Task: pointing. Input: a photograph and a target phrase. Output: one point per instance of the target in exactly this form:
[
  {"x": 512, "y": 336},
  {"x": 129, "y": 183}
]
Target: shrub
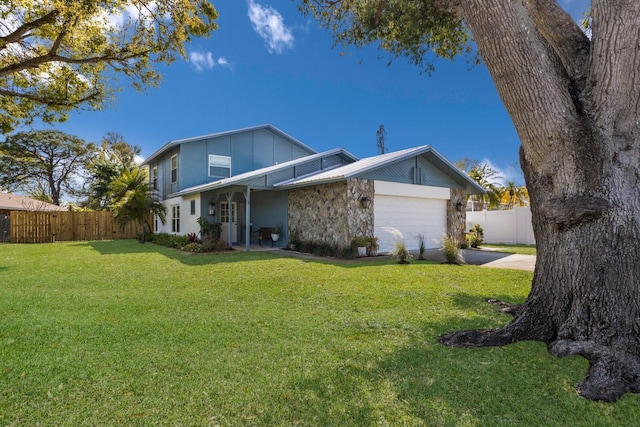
[
  {"x": 372, "y": 246},
  {"x": 210, "y": 229},
  {"x": 476, "y": 236},
  {"x": 293, "y": 237},
  {"x": 327, "y": 249},
  {"x": 214, "y": 245},
  {"x": 360, "y": 241},
  {"x": 400, "y": 252},
  {"x": 170, "y": 240},
  {"x": 192, "y": 247},
  {"x": 450, "y": 246},
  {"x": 422, "y": 245},
  {"x": 369, "y": 242}
]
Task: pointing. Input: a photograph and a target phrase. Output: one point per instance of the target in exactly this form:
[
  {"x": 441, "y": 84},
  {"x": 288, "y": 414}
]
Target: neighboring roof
[
  {"x": 249, "y": 178},
  {"x": 14, "y": 202},
  {"x": 177, "y": 142},
  {"x": 368, "y": 164}
]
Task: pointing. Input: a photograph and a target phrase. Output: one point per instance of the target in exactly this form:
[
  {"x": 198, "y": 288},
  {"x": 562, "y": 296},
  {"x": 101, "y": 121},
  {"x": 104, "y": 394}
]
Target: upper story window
[
  {"x": 174, "y": 168},
  {"x": 219, "y": 166}
]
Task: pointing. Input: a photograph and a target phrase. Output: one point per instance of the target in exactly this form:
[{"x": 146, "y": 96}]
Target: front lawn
[{"x": 118, "y": 333}]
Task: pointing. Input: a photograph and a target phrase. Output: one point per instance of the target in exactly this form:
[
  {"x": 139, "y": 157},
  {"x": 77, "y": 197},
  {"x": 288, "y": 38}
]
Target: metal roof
[
  {"x": 248, "y": 178},
  {"x": 176, "y": 142},
  {"x": 368, "y": 164}
]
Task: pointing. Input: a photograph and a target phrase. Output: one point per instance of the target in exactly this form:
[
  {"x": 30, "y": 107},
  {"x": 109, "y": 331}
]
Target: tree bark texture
[{"x": 575, "y": 103}]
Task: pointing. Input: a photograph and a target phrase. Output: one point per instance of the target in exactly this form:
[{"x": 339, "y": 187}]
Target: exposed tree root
[
  {"x": 612, "y": 372},
  {"x": 505, "y": 307},
  {"x": 480, "y": 338}
]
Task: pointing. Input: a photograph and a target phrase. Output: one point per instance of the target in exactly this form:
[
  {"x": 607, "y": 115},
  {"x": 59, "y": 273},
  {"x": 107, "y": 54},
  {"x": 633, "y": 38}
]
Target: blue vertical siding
[
  {"x": 282, "y": 150},
  {"x": 263, "y": 149},
  {"x": 164, "y": 173},
  {"x": 249, "y": 150},
  {"x": 194, "y": 161},
  {"x": 241, "y": 153},
  {"x": 220, "y": 146}
]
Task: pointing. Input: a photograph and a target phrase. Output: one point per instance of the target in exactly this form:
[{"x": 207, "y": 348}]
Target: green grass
[
  {"x": 118, "y": 333},
  {"x": 514, "y": 249}
]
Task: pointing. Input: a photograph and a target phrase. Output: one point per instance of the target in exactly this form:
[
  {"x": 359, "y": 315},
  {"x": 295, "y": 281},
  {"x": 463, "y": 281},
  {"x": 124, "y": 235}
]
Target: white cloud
[
  {"x": 505, "y": 174},
  {"x": 202, "y": 60},
  {"x": 205, "y": 61},
  {"x": 132, "y": 14},
  {"x": 269, "y": 25}
]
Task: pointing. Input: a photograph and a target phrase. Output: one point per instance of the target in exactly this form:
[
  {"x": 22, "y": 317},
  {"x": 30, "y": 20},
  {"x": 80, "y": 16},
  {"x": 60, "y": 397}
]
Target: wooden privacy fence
[{"x": 46, "y": 227}]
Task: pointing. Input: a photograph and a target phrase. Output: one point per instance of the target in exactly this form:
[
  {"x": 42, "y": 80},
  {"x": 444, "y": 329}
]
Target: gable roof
[
  {"x": 14, "y": 202},
  {"x": 258, "y": 176},
  {"x": 371, "y": 163},
  {"x": 176, "y": 142}
]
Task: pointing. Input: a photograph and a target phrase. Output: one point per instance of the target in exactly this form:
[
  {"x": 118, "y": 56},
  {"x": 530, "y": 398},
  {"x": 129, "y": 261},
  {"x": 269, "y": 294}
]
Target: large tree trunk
[{"x": 575, "y": 104}]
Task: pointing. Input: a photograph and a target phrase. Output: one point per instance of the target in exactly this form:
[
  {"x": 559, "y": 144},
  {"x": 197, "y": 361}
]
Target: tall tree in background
[
  {"x": 59, "y": 55},
  {"x": 381, "y": 135},
  {"x": 514, "y": 195},
  {"x": 488, "y": 179},
  {"x": 112, "y": 158},
  {"x": 575, "y": 103},
  {"x": 43, "y": 163}
]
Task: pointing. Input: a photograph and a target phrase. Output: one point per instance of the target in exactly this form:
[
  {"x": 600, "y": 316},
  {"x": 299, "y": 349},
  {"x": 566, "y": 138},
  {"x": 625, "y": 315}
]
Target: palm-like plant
[
  {"x": 513, "y": 194},
  {"x": 487, "y": 178},
  {"x": 132, "y": 201}
]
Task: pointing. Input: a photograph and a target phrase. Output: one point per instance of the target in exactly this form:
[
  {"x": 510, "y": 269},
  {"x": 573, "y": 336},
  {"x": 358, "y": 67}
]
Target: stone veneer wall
[
  {"x": 331, "y": 213},
  {"x": 456, "y": 220},
  {"x": 361, "y": 221}
]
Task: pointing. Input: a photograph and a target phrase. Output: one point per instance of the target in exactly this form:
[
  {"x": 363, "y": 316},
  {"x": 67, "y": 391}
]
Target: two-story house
[{"x": 260, "y": 177}]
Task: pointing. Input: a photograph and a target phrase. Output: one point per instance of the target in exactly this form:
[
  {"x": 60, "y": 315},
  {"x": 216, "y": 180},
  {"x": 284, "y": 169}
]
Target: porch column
[
  {"x": 247, "y": 225},
  {"x": 230, "y": 205}
]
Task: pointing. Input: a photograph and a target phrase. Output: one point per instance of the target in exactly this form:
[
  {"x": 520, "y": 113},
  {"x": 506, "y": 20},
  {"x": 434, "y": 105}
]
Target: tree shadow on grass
[
  {"x": 133, "y": 247},
  {"x": 119, "y": 247},
  {"x": 423, "y": 382},
  {"x": 426, "y": 383}
]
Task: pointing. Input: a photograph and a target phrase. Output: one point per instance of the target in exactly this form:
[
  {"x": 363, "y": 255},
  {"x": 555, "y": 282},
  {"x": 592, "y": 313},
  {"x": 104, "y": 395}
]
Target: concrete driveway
[{"x": 492, "y": 259}]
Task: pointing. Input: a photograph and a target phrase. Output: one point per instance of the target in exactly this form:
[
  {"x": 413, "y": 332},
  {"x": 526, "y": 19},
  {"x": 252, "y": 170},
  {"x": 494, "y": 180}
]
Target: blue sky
[{"x": 267, "y": 63}]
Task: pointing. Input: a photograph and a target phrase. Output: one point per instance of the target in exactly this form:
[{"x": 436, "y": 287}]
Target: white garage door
[{"x": 404, "y": 218}]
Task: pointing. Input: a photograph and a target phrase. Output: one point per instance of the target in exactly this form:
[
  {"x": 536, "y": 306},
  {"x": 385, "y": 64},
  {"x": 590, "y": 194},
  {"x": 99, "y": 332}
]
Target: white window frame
[
  {"x": 174, "y": 167},
  {"x": 219, "y": 162},
  {"x": 175, "y": 218}
]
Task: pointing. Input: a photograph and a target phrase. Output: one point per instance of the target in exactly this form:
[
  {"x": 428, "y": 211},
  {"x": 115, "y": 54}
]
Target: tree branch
[
  {"x": 49, "y": 101},
  {"x": 563, "y": 34},
  {"x": 50, "y": 57},
  {"x": 528, "y": 73},
  {"x": 28, "y": 26}
]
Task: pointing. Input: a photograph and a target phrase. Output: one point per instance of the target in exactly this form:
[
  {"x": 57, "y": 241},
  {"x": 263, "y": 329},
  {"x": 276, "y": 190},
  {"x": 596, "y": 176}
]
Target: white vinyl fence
[{"x": 509, "y": 226}]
